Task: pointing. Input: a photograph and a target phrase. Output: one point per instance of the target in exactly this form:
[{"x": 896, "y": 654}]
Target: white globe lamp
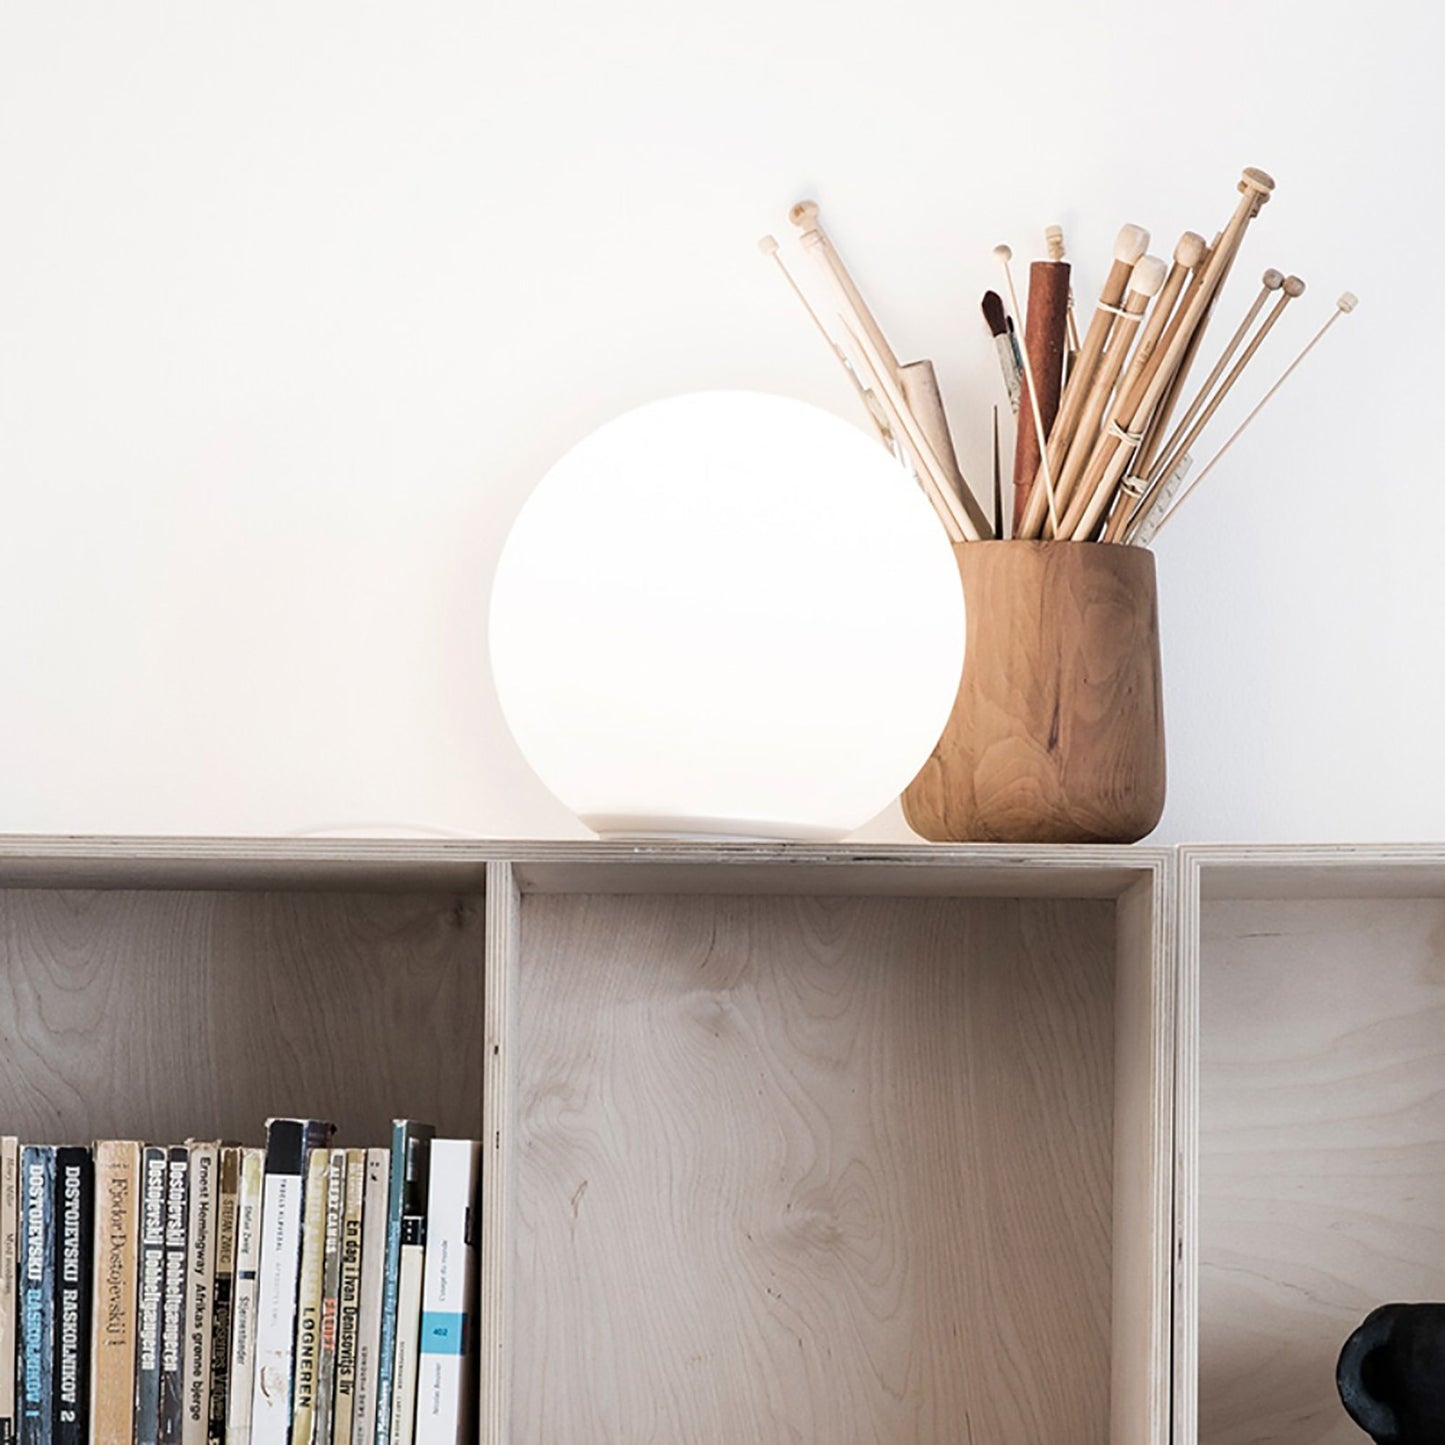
[{"x": 727, "y": 615}]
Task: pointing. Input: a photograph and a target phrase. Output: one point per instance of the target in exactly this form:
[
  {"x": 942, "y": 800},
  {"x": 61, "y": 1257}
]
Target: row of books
[{"x": 210, "y": 1293}]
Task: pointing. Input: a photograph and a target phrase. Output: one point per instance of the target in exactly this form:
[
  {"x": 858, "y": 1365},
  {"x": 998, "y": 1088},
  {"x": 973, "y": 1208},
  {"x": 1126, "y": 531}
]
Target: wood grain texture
[
  {"x": 986, "y": 870},
  {"x": 159, "y": 1014},
  {"x": 808, "y": 1170},
  {"x": 425, "y": 866},
  {"x": 1316, "y": 870},
  {"x": 495, "y": 1293},
  {"x": 1144, "y": 1003},
  {"x": 367, "y": 865},
  {"x": 1057, "y": 734},
  {"x": 1045, "y": 334},
  {"x": 1220, "y": 873},
  {"x": 1187, "y": 900},
  {"x": 1321, "y": 1148}
]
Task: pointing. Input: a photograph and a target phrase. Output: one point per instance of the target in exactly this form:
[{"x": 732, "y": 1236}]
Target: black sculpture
[{"x": 1391, "y": 1375}]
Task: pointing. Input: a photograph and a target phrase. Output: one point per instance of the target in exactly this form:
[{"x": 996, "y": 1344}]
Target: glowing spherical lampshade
[{"x": 727, "y": 614}]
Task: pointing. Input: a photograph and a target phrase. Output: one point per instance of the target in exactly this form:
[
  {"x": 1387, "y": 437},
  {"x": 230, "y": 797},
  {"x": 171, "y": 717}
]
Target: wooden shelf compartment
[
  {"x": 840, "y": 1144},
  {"x": 159, "y": 989},
  {"x": 1311, "y": 1126}
]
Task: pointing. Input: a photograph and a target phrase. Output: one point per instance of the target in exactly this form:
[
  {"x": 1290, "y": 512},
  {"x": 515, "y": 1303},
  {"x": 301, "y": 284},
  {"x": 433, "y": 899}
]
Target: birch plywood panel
[
  {"x": 813, "y": 1170},
  {"x": 1322, "y": 1149},
  {"x": 163, "y": 1014}
]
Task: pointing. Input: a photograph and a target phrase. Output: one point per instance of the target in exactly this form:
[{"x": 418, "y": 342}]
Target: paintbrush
[{"x": 997, "y": 319}]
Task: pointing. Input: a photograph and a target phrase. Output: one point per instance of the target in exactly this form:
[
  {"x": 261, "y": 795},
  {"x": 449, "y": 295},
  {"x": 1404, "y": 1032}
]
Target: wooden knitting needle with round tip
[
  {"x": 1124, "y": 518},
  {"x": 1129, "y": 246},
  {"x": 1292, "y": 288},
  {"x": 769, "y": 247},
  {"x": 1147, "y": 281},
  {"x": 1343, "y": 306},
  {"x": 1104, "y": 472},
  {"x": 1189, "y": 253},
  {"x": 1144, "y": 285},
  {"x": 1149, "y": 448},
  {"x": 804, "y": 215},
  {"x": 1159, "y": 419},
  {"x": 1270, "y": 282},
  {"x": 1004, "y": 254}
]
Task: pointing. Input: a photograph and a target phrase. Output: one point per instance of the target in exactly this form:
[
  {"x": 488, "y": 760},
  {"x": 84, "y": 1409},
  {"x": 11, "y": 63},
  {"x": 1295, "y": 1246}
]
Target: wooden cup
[{"x": 1057, "y": 734}]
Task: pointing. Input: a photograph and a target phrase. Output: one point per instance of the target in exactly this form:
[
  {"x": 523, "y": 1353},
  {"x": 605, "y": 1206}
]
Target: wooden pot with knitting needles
[{"x": 1057, "y": 735}]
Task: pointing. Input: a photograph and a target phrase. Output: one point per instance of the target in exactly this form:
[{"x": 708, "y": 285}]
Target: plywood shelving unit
[
  {"x": 783, "y": 1143},
  {"x": 924, "y": 1145},
  {"x": 1311, "y": 1124}
]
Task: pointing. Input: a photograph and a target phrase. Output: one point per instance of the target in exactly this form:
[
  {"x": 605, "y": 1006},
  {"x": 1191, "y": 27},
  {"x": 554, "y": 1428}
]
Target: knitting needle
[
  {"x": 928, "y": 483},
  {"x": 1144, "y": 285},
  {"x": 998, "y": 530},
  {"x": 1147, "y": 453},
  {"x": 1343, "y": 306},
  {"x": 1270, "y": 282},
  {"x": 1102, "y": 479},
  {"x": 1152, "y": 494},
  {"x": 1292, "y": 288},
  {"x": 1129, "y": 246},
  {"x": 925, "y": 430},
  {"x": 1154, "y": 432},
  {"x": 1188, "y": 253},
  {"x": 961, "y": 515},
  {"x": 769, "y": 247},
  {"x": 1004, "y": 255},
  {"x": 804, "y": 215}
]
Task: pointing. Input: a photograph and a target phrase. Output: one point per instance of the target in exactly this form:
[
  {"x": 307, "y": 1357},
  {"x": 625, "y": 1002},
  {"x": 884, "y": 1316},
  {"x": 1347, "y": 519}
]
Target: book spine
[
  {"x": 409, "y": 1287},
  {"x": 408, "y": 1322},
  {"x": 74, "y": 1241},
  {"x": 152, "y": 1289},
  {"x": 308, "y": 1299},
  {"x": 403, "y": 1131},
  {"x": 117, "y": 1282},
  {"x": 37, "y": 1292},
  {"x": 204, "y": 1165},
  {"x": 289, "y": 1143},
  {"x": 348, "y": 1305},
  {"x": 374, "y": 1216},
  {"x": 228, "y": 1181},
  {"x": 243, "y": 1311},
  {"x": 9, "y": 1255},
  {"x": 445, "y": 1404},
  {"x": 171, "y": 1405},
  {"x": 330, "y": 1296}
]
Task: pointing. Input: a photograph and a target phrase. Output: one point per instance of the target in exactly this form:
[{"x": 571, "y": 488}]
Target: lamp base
[{"x": 623, "y": 827}]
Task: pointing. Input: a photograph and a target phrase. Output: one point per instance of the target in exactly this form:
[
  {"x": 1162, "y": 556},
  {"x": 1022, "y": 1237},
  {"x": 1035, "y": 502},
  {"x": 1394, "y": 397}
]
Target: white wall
[{"x": 297, "y": 300}]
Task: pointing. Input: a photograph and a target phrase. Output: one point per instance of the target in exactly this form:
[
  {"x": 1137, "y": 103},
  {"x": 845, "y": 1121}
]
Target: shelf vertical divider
[
  {"x": 1186, "y": 1143},
  {"x": 1144, "y": 1024},
  {"x": 503, "y": 904}
]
